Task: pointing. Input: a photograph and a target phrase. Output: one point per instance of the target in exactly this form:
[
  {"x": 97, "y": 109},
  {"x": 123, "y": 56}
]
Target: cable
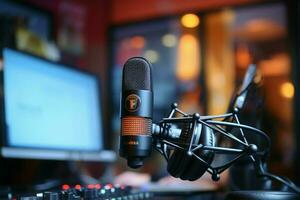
[{"x": 287, "y": 182}]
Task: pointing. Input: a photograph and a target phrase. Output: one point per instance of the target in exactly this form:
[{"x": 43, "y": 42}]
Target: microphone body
[
  {"x": 171, "y": 133},
  {"x": 136, "y": 112}
]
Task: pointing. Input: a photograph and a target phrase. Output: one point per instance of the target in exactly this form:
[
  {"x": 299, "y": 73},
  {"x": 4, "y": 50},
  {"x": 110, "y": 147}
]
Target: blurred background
[{"x": 199, "y": 50}]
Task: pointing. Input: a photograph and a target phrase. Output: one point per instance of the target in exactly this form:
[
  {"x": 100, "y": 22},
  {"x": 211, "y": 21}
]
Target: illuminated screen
[{"x": 50, "y": 106}]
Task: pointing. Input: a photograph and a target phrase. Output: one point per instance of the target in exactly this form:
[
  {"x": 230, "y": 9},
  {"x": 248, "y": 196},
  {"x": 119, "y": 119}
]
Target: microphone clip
[{"x": 192, "y": 127}]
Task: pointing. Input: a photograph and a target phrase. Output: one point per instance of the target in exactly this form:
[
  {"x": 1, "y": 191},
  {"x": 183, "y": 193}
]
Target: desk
[{"x": 194, "y": 196}]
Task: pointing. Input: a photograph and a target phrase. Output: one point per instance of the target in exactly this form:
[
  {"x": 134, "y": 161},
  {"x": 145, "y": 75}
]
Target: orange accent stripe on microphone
[{"x": 136, "y": 126}]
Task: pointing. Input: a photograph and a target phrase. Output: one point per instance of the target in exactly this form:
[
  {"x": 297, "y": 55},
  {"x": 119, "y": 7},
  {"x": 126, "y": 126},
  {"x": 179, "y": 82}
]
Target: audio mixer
[{"x": 90, "y": 192}]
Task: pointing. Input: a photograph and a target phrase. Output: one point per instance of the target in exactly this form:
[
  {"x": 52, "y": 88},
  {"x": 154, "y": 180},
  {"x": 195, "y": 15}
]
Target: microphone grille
[
  {"x": 137, "y": 74},
  {"x": 136, "y": 126}
]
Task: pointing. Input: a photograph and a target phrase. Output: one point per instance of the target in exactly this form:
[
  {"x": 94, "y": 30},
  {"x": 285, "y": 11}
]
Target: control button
[
  {"x": 65, "y": 187},
  {"x": 51, "y": 196},
  {"x": 90, "y": 193},
  {"x": 77, "y": 187},
  {"x": 98, "y": 186},
  {"x": 69, "y": 195}
]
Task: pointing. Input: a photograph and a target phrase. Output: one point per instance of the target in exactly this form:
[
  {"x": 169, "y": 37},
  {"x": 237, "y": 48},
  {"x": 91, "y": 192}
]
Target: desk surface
[{"x": 195, "y": 196}]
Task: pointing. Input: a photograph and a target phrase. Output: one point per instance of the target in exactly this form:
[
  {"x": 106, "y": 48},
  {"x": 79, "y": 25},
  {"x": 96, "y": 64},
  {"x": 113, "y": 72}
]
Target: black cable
[{"x": 287, "y": 182}]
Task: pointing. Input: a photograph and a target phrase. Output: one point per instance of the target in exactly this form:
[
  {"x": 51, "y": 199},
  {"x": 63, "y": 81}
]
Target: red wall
[{"x": 133, "y": 10}]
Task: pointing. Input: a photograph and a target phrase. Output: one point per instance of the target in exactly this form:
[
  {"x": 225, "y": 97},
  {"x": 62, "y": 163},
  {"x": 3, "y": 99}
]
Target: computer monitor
[{"x": 50, "y": 111}]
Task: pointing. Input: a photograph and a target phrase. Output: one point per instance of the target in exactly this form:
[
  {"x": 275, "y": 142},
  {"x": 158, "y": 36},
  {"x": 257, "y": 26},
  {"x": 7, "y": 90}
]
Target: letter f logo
[{"x": 132, "y": 103}]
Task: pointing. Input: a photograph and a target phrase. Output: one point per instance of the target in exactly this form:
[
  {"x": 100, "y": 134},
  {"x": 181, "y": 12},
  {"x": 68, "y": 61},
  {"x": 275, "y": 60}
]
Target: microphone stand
[
  {"x": 210, "y": 121},
  {"x": 165, "y": 141}
]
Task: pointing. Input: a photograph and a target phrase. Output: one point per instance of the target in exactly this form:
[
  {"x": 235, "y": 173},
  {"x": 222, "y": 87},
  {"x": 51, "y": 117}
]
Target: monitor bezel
[{"x": 9, "y": 151}]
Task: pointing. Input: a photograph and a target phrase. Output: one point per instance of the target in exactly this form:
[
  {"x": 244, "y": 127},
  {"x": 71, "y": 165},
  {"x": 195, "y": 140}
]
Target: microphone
[
  {"x": 136, "y": 112},
  {"x": 187, "y": 141}
]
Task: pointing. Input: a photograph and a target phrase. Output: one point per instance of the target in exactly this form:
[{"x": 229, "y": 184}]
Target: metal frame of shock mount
[
  {"x": 231, "y": 120},
  {"x": 164, "y": 146}
]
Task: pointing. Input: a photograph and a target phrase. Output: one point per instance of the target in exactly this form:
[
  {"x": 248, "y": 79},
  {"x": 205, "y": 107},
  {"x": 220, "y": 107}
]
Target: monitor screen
[{"x": 50, "y": 107}]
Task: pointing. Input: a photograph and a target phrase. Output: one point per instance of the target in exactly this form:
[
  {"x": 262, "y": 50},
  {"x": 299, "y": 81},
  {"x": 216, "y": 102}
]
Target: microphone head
[
  {"x": 137, "y": 74},
  {"x": 136, "y": 111}
]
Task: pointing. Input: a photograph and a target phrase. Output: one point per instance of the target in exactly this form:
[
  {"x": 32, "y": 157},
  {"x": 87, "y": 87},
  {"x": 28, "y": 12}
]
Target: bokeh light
[
  {"x": 137, "y": 42},
  {"x": 169, "y": 40},
  {"x": 188, "y": 59},
  {"x": 190, "y": 20},
  {"x": 287, "y": 90},
  {"x": 151, "y": 55}
]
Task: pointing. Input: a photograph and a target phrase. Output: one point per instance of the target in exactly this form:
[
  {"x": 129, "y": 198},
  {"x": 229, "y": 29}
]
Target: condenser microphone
[{"x": 136, "y": 112}]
